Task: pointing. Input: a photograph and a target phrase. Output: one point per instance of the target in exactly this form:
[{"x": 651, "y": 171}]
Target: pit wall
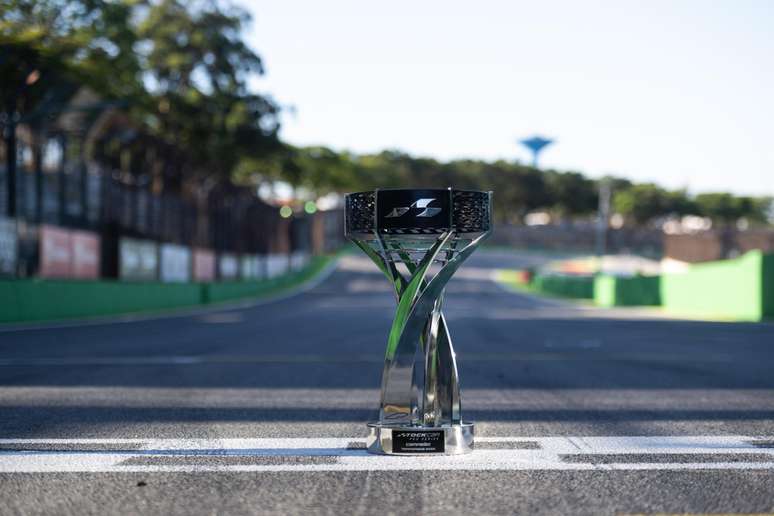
[{"x": 24, "y": 300}]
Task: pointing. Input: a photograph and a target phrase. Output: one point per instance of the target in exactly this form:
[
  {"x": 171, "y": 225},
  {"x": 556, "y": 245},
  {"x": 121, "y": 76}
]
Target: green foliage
[
  {"x": 727, "y": 209},
  {"x": 198, "y": 65},
  {"x": 572, "y": 193},
  {"x": 85, "y": 41},
  {"x": 641, "y": 202},
  {"x": 519, "y": 189},
  {"x": 181, "y": 68}
]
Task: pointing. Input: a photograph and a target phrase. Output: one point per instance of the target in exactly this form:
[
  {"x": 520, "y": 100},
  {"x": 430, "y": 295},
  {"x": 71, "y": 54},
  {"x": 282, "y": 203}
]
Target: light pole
[{"x": 536, "y": 144}]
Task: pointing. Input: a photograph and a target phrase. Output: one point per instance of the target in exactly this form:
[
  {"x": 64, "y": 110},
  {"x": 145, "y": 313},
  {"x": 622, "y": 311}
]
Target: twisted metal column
[{"x": 420, "y": 383}]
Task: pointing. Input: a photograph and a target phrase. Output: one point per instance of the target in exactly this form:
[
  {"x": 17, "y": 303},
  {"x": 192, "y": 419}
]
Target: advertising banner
[
  {"x": 55, "y": 252},
  {"x": 85, "y": 254},
  {"x": 9, "y": 246},
  {"x": 175, "y": 263},
  {"x": 228, "y": 266},
  {"x": 138, "y": 260},
  {"x": 276, "y": 265},
  {"x": 203, "y": 265},
  {"x": 260, "y": 266},
  {"x": 298, "y": 260},
  {"x": 250, "y": 267}
]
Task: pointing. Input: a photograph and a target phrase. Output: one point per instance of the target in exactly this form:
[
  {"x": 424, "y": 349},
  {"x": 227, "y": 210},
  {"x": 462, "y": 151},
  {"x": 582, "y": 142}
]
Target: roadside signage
[
  {"x": 9, "y": 246},
  {"x": 228, "y": 267},
  {"x": 251, "y": 267},
  {"x": 203, "y": 265},
  {"x": 245, "y": 267},
  {"x": 298, "y": 260},
  {"x": 276, "y": 265},
  {"x": 85, "y": 254},
  {"x": 55, "y": 252},
  {"x": 175, "y": 263},
  {"x": 138, "y": 260}
]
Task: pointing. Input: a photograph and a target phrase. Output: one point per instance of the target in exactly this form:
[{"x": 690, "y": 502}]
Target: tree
[
  {"x": 198, "y": 66},
  {"x": 726, "y": 209},
  {"x": 641, "y": 203},
  {"x": 85, "y": 41},
  {"x": 572, "y": 194},
  {"x": 180, "y": 68}
]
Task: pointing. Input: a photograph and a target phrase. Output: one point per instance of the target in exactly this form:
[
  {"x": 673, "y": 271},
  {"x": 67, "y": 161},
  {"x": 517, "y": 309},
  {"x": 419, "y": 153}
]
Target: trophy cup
[{"x": 418, "y": 238}]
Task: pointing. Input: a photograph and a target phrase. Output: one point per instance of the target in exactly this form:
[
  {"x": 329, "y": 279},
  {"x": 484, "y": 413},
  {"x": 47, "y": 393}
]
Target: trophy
[{"x": 418, "y": 238}]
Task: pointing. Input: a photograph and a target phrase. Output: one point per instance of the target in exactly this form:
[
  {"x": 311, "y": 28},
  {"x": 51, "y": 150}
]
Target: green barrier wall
[
  {"x": 738, "y": 289},
  {"x": 605, "y": 290},
  {"x": 219, "y": 292},
  {"x": 34, "y": 300},
  {"x": 634, "y": 291},
  {"x": 577, "y": 287},
  {"x": 768, "y": 285},
  {"x": 38, "y": 300}
]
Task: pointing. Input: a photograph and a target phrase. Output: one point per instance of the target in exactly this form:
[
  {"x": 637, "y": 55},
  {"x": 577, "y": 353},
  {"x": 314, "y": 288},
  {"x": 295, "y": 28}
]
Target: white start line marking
[{"x": 341, "y": 454}]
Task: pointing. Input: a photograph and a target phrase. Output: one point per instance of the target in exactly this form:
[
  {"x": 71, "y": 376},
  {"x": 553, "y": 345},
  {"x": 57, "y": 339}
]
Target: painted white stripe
[{"x": 549, "y": 455}]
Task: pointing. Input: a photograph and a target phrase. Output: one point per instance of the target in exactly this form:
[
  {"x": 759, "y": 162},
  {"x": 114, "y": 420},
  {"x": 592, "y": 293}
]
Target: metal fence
[{"x": 113, "y": 205}]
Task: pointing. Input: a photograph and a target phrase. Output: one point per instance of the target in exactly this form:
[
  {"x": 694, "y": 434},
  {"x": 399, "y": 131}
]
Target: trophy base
[{"x": 386, "y": 439}]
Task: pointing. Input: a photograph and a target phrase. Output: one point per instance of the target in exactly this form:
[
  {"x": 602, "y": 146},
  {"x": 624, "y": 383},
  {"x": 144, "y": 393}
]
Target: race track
[{"x": 262, "y": 409}]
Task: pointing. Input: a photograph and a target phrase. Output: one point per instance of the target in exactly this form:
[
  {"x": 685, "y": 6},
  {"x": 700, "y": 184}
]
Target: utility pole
[
  {"x": 603, "y": 216},
  {"x": 11, "y": 119},
  {"x": 10, "y": 162}
]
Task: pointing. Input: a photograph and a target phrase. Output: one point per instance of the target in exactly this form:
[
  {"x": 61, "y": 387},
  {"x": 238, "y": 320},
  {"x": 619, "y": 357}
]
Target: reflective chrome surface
[
  {"x": 458, "y": 438},
  {"x": 420, "y": 382}
]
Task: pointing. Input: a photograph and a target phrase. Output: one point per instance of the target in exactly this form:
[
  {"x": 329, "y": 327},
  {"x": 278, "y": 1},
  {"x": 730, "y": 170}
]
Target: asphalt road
[{"x": 260, "y": 409}]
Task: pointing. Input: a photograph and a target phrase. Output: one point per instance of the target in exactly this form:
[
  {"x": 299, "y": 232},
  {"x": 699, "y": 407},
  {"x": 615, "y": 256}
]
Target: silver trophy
[{"x": 418, "y": 238}]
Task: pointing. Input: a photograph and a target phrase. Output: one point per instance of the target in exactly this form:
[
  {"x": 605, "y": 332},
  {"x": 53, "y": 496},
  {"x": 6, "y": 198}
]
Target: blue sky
[{"x": 676, "y": 92}]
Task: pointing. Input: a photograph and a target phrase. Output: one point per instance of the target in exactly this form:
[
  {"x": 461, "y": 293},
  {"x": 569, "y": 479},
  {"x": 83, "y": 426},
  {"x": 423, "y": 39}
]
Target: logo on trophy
[{"x": 418, "y": 238}]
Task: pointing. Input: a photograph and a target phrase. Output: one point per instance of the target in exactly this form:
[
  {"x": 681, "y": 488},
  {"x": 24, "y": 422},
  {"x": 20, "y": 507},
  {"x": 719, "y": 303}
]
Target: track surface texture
[{"x": 262, "y": 409}]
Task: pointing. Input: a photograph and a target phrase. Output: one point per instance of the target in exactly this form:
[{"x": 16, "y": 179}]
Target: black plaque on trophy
[{"x": 426, "y": 441}]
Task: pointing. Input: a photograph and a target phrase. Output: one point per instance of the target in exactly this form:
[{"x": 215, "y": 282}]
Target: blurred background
[
  {"x": 179, "y": 168},
  {"x": 208, "y": 141}
]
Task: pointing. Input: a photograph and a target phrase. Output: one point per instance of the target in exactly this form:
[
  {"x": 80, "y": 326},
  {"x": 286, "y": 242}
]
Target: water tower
[{"x": 536, "y": 144}]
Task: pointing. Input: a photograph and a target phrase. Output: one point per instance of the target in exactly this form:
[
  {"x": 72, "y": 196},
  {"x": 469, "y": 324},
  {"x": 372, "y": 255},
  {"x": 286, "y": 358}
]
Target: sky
[{"x": 676, "y": 92}]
